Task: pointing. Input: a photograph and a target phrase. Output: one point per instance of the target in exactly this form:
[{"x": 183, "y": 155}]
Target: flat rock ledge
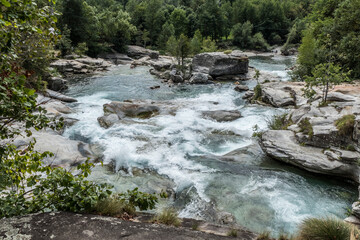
[
  {"x": 64, "y": 226},
  {"x": 282, "y": 145}
]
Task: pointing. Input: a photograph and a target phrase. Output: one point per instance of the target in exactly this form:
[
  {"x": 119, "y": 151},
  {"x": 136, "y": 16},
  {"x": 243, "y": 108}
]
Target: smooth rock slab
[
  {"x": 66, "y": 226},
  {"x": 282, "y": 145}
]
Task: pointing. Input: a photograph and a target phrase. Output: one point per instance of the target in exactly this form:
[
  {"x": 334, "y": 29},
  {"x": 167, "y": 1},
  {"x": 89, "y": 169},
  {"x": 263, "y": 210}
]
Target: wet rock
[
  {"x": 154, "y": 87},
  {"x": 108, "y": 120},
  {"x": 222, "y": 115},
  {"x": 116, "y": 58},
  {"x": 248, "y": 95},
  {"x": 55, "y": 95},
  {"x": 226, "y": 218},
  {"x": 176, "y": 77},
  {"x": 199, "y": 78},
  {"x": 282, "y": 145},
  {"x": 218, "y": 64},
  {"x": 140, "y": 52},
  {"x": 126, "y": 109},
  {"x": 241, "y": 88}
]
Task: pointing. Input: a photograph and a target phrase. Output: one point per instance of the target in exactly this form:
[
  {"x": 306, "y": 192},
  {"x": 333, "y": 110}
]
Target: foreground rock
[
  {"x": 221, "y": 65},
  {"x": 64, "y": 226}
]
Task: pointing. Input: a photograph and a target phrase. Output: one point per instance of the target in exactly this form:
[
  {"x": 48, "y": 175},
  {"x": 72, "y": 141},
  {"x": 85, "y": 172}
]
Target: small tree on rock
[{"x": 325, "y": 75}]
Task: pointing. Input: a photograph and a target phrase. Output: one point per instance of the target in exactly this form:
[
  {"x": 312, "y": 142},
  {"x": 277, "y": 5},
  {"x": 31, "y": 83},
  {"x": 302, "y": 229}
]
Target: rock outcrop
[
  {"x": 84, "y": 65},
  {"x": 222, "y": 115},
  {"x": 221, "y": 65},
  {"x": 138, "y": 52},
  {"x": 64, "y": 226}
]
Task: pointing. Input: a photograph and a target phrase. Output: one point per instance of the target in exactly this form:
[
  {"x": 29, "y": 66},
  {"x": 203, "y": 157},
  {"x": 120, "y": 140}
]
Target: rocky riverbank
[{"x": 320, "y": 138}]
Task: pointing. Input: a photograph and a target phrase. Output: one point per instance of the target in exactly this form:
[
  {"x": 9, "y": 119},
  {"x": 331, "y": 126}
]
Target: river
[{"x": 185, "y": 153}]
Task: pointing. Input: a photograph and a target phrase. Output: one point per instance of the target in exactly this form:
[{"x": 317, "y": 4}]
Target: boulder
[
  {"x": 140, "y": 52},
  {"x": 199, "y": 78},
  {"x": 222, "y": 115},
  {"x": 108, "y": 120},
  {"x": 241, "y": 88},
  {"x": 277, "y": 97},
  {"x": 57, "y": 84},
  {"x": 218, "y": 64},
  {"x": 128, "y": 109},
  {"x": 282, "y": 145},
  {"x": 176, "y": 76},
  {"x": 248, "y": 95}
]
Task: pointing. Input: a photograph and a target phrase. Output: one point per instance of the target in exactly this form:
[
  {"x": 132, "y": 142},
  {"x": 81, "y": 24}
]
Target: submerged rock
[
  {"x": 241, "y": 88},
  {"x": 127, "y": 109},
  {"x": 222, "y": 115}
]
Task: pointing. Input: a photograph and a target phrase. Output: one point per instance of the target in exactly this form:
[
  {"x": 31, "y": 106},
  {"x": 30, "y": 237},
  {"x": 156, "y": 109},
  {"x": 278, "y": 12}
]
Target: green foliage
[
  {"x": 259, "y": 43},
  {"x": 280, "y": 122},
  {"x": 167, "y": 31},
  {"x": 168, "y": 216},
  {"x": 345, "y": 125},
  {"x": 64, "y": 44},
  {"x": 306, "y": 127},
  {"x": 209, "y": 45},
  {"x": 196, "y": 43},
  {"x": 257, "y": 92},
  {"x": 179, "y": 48},
  {"x": 113, "y": 206},
  {"x": 325, "y": 75},
  {"x": 233, "y": 233},
  {"x": 330, "y": 228},
  {"x": 242, "y": 34},
  {"x": 179, "y": 21},
  {"x": 137, "y": 199},
  {"x": 81, "y": 49}
]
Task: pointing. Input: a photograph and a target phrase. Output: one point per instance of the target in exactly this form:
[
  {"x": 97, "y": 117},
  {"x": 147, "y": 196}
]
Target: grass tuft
[
  {"x": 280, "y": 122},
  {"x": 329, "y": 228},
  {"x": 345, "y": 124},
  {"x": 168, "y": 216},
  {"x": 306, "y": 127},
  {"x": 114, "y": 207},
  {"x": 233, "y": 232}
]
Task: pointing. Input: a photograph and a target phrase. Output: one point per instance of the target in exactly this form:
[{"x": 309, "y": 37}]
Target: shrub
[
  {"x": 329, "y": 228},
  {"x": 168, "y": 216},
  {"x": 228, "y": 51},
  {"x": 257, "y": 92},
  {"x": 232, "y": 233},
  {"x": 81, "y": 49},
  {"x": 305, "y": 127},
  {"x": 113, "y": 206},
  {"x": 264, "y": 236},
  {"x": 280, "y": 122},
  {"x": 345, "y": 124}
]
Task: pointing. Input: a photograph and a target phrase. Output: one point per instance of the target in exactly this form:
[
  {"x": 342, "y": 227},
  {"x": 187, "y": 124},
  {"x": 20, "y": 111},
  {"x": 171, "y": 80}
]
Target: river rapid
[{"x": 207, "y": 166}]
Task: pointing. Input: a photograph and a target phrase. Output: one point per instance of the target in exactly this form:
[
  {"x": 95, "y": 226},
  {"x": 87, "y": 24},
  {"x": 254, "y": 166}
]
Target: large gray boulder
[
  {"x": 128, "y": 109},
  {"x": 140, "y": 52},
  {"x": 218, "y": 64},
  {"x": 222, "y": 115},
  {"x": 282, "y": 145}
]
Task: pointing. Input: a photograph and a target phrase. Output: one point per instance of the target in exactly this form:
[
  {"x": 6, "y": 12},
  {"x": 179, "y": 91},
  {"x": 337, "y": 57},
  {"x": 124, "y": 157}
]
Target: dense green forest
[{"x": 251, "y": 24}]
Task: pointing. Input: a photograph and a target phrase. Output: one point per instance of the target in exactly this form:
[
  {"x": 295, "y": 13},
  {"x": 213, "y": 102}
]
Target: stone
[
  {"x": 57, "y": 84},
  {"x": 176, "y": 77},
  {"x": 199, "y": 78},
  {"x": 218, "y": 64},
  {"x": 356, "y": 209},
  {"x": 248, "y": 95},
  {"x": 222, "y": 115},
  {"x": 277, "y": 97},
  {"x": 356, "y": 133},
  {"x": 116, "y": 58},
  {"x": 139, "y": 52},
  {"x": 55, "y": 95},
  {"x": 126, "y": 109},
  {"x": 339, "y": 97},
  {"x": 241, "y": 88},
  {"x": 282, "y": 145},
  {"x": 108, "y": 120}
]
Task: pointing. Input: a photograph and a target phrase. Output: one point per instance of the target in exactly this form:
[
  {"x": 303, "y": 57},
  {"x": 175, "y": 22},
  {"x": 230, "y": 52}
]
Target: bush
[
  {"x": 228, "y": 51},
  {"x": 324, "y": 229},
  {"x": 168, "y": 216},
  {"x": 258, "y": 42},
  {"x": 81, "y": 49},
  {"x": 305, "y": 127},
  {"x": 280, "y": 122},
  {"x": 257, "y": 92},
  {"x": 345, "y": 125},
  {"x": 113, "y": 206}
]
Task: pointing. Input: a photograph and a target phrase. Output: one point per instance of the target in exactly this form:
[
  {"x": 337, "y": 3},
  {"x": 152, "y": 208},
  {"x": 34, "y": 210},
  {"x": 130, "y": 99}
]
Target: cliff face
[{"x": 65, "y": 226}]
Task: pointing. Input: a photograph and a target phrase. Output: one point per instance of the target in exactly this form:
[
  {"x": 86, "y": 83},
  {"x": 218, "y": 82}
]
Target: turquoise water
[{"x": 184, "y": 152}]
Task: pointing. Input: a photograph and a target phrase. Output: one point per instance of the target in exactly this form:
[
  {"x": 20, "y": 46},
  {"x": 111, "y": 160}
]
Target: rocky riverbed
[{"x": 194, "y": 140}]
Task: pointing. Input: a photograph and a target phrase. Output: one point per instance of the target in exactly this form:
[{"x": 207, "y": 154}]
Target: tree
[
  {"x": 242, "y": 34},
  {"x": 211, "y": 20},
  {"x": 209, "y": 45},
  {"x": 183, "y": 48},
  {"x": 196, "y": 43},
  {"x": 167, "y": 31},
  {"x": 325, "y": 75},
  {"x": 179, "y": 21}
]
